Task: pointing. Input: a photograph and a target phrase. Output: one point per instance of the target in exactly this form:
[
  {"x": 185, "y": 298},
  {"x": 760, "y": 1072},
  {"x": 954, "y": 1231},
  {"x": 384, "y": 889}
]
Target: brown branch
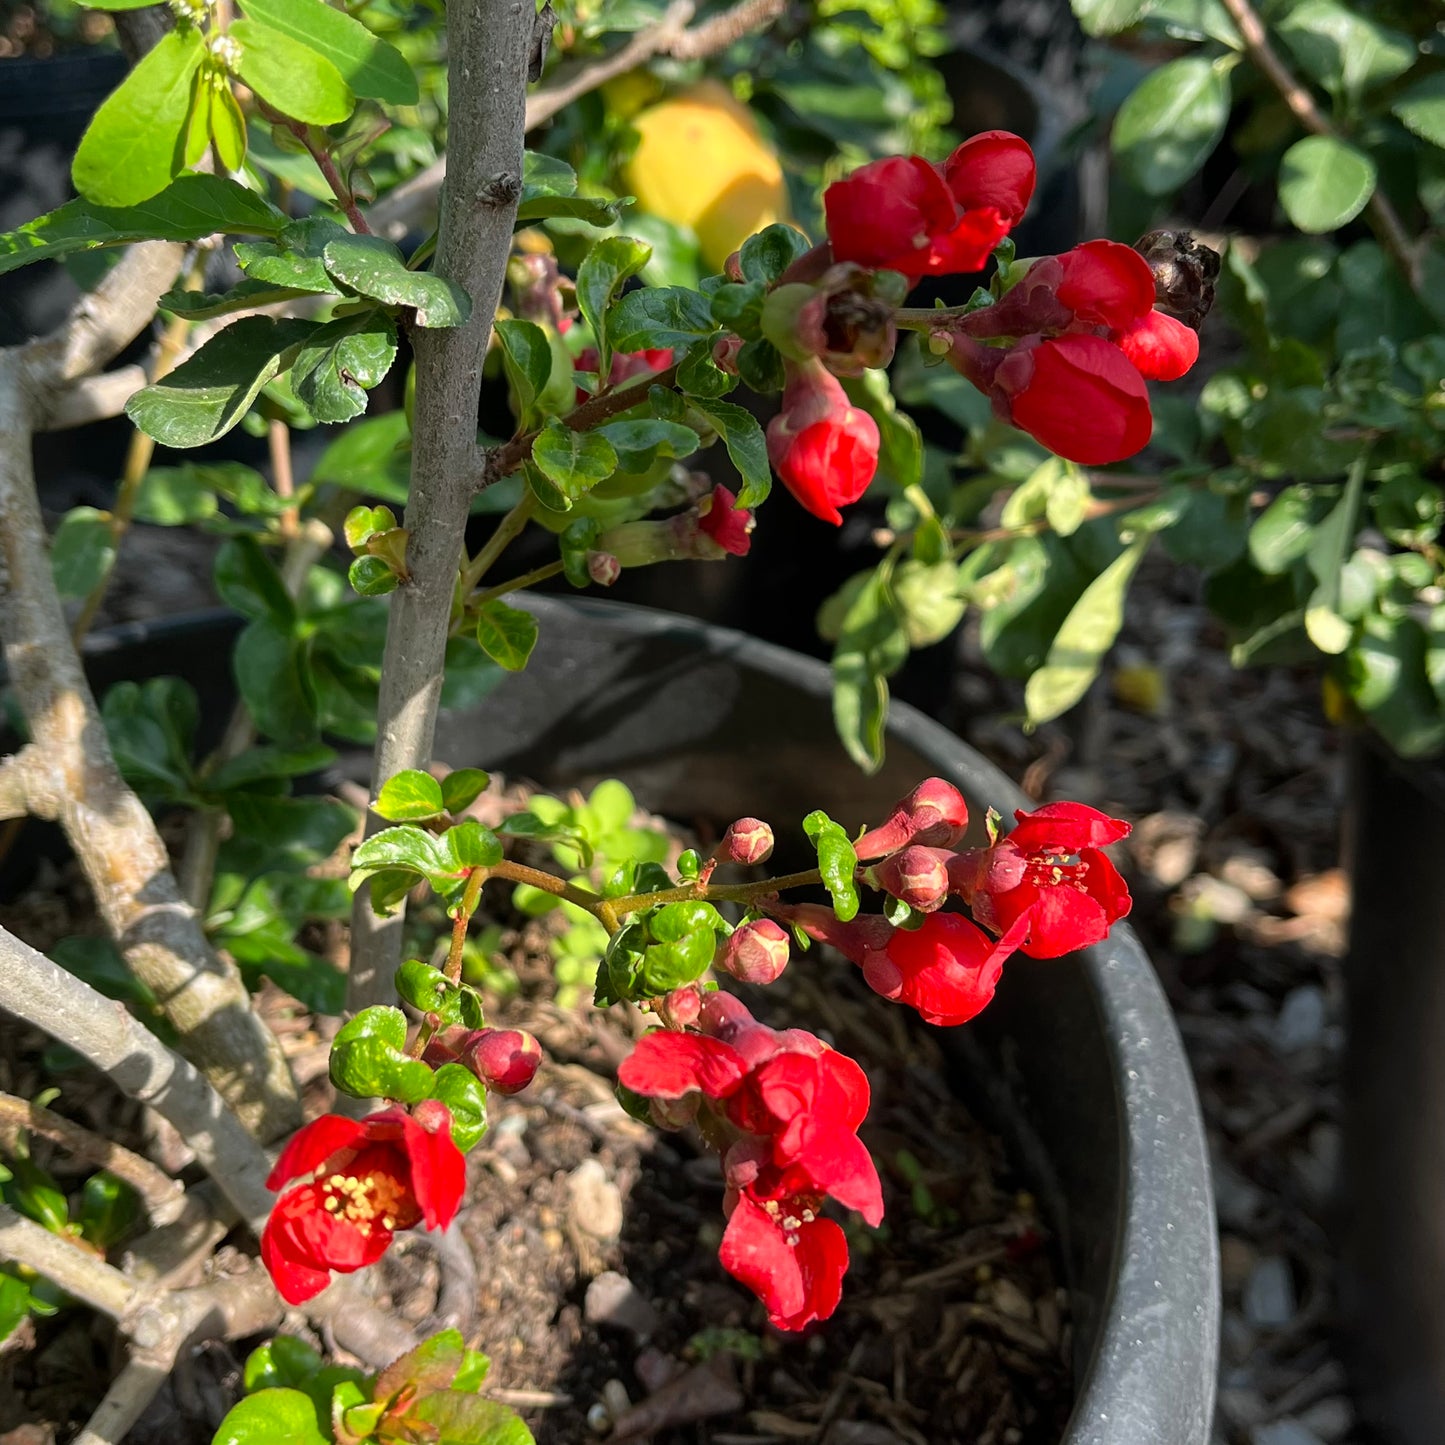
[
  {"x": 1387, "y": 224},
  {"x": 164, "y": 1197},
  {"x": 395, "y": 214}
]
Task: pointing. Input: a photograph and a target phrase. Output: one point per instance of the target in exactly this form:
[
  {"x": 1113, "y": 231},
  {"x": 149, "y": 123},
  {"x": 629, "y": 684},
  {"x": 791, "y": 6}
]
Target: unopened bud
[
  {"x": 916, "y": 876},
  {"x": 756, "y": 952},
  {"x": 446, "y": 1045},
  {"x": 681, "y": 1007},
  {"x": 867, "y": 933},
  {"x": 985, "y": 870},
  {"x": 603, "y": 568},
  {"x": 747, "y": 840},
  {"x": 432, "y": 1115},
  {"x": 733, "y": 267},
  {"x": 505, "y": 1060},
  {"x": 725, "y": 353},
  {"x": 934, "y": 814}
]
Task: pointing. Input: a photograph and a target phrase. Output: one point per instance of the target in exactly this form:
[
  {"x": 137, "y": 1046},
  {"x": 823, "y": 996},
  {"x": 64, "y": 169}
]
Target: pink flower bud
[
  {"x": 747, "y": 840},
  {"x": 723, "y": 524},
  {"x": 733, "y": 267},
  {"x": 725, "y": 353},
  {"x": 603, "y": 568},
  {"x": 503, "y": 1059},
  {"x": 446, "y": 1045},
  {"x": 868, "y": 933},
  {"x": 934, "y": 814},
  {"x": 756, "y": 952},
  {"x": 916, "y": 876},
  {"x": 679, "y": 1008}
]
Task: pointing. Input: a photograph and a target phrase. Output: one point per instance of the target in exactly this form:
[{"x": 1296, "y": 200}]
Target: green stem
[
  {"x": 745, "y": 893},
  {"x": 527, "y": 579},
  {"x": 927, "y": 318},
  {"x": 508, "y": 529}
]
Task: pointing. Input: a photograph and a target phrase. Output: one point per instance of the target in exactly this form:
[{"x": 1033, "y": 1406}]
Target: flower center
[
  {"x": 366, "y": 1200},
  {"x": 792, "y": 1213},
  {"x": 1055, "y": 870}
]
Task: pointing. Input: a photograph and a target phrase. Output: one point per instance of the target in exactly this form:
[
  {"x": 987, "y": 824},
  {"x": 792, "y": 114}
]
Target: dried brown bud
[{"x": 1184, "y": 270}]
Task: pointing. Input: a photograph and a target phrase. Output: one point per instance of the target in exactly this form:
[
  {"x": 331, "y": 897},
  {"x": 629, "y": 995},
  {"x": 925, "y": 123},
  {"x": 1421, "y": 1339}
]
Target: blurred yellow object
[
  {"x": 1140, "y": 688},
  {"x": 701, "y": 163}
]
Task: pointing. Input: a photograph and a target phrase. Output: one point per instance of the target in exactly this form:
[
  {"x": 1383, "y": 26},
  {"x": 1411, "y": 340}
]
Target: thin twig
[
  {"x": 164, "y": 1197},
  {"x": 70, "y": 1265},
  {"x": 517, "y": 584},
  {"x": 1388, "y": 226},
  {"x": 506, "y": 531}
]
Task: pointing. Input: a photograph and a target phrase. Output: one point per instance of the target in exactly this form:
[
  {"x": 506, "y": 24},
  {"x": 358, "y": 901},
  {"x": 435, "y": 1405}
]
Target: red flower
[
  {"x": 1161, "y": 347},
  {"x": 1048, "y": 879},
  {"x": 824, "y": 449},
  {"x": 729, "y": 525},
  {"x": 947, "y": 969},
  {"x": 365, "y": 1179},
  {"x": 905, "y": 214},
  {"x": 790, "y": 1257},
  {"x": 1105, "y": 284}
]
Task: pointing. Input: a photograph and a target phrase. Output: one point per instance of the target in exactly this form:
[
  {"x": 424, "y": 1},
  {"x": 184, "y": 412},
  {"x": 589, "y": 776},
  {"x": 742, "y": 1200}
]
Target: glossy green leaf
[
  {"x": 372, "y": 456},
  {"x": 639, "y": 441},
  {"x": 1108, "y": 17},
  {"x": 409, "y": 797},
  {"x": 1324, "y": 182},
  {"x": 189, "y": 209},
  {"x": 421, "y": 985},
  {"x": 341, "y": 361},
  {"x": 375, "y": 268},
  {"x": 462, "y": 1092},
  {"x": 1079, "y": 646},
  {"x": 747, "y": 448},
  {"x": 699, "y": 375},
  {"x": 207, "y": 395},
  {"x": 768, "y": 253},
  {"x": 246, "y": 296},
  {"x": 279, "y": 1362},
  {"x": 657, "y": 317},
  {"x": 1420, "y": 108},
  {"x": 82, "y": 551},
  {"x": 296, "y": 258},
  {"x": 544, "y": 175},
  {"x": 109, "y": 1210},
  {"x": 602, "y": 273},
  {"x": 129, "y": 151},
  {"x": 274, "y": 682},
  {"x": 1344, "y": 51},
  {"x": 14, "y": 1304},
  {"x": 402, "y": 847},
  {"x": 368, "y": 1059},
  {"x": 506, "y": 634},
  {"x": 539, "y": 370},
  {"x": 369, "y": 65},
  {"x": 1171, "y": 123},
  {"x": 837, "y": 861},
  {"x": 371, "y": 577},
  {"x": 462, "y": 787},
  {"x": 151, "y": 727},
  {"x": 272, "y": 1417},
  {"x": 594, "y": 210},
  {"x": 927, "y": 600},
  {"x": 470, "y": 844},
  {"x": 292, "y": 77},
  {"x": 228, "y": 126},
  {"x": 538, "y": 830},
  {"x": 248, "y": 580},
  {"x": 574, "y": 461}
]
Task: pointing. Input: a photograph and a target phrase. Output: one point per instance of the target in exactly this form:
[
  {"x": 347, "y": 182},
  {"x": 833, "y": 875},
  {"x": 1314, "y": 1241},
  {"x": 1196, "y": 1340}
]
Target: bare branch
[
  {"x": 68, "y": 1264},
  {"x": 44, "y": 994},
  {"x": 138, "y": 1383},
  {"x": 113, "y": 835},
  {"x": 401, "y": 208},
  {"x": 93, "y": 398},
  {"x": 164, "y": 1197},
  {"x": 490, "y": 44}
]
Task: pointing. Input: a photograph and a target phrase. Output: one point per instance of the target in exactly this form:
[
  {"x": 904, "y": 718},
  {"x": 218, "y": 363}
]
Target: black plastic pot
[{"x": 1077, "y": 1063}]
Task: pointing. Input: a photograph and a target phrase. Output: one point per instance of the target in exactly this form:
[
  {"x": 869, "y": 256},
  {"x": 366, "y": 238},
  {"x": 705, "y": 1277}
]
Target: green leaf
[
  {"x": 1323, "y": 183},
  {"x": 539, "y": 370},
  {"x": 405, "y": 847},
  {"x": 228, "y": 126},
  {"x": 82, "y": 551},
  {"x": 247, "y": 580},
  {"x": 272, "y": 677},
  {"x": 371, "y": 577},
  {"x": 575, "y": 461},
  {"x": 189, "y": 209},
  {"x": 1087, "y": 633},
  {"x": 544, "y": 175},
  {"x": 594, "y": 210},
  {"x": 372, "y": 457},
  {"x": 295, "y": 79},
  {"x": 341, "y": 362},
  {"x": 836, "y": 861},
  {"x": 698, "y": 375},
  {"x": 368, "y": 1058},
  {"x": 538, "y": 830},
  {"x": 1387, "y": 677},
  {"x": 639, "y": 441},
  {"x": 372, "y": 68},
  {"x": 204, "y": 397},
  {"x": 471, "y": 844},
  {"x": 462, "y": 786},
  {"x": 657, "y": 317},
  {"x": 280, "y": 1362},
  {"x": 152, "y": 729},
  {"x": 1421, "y": 109},
  {"x": 129, "y": 152},
  {"x": 422, "y": 985},
  {"x": 768, "y": 253},
  {"x": 272, "y": 1417},
  {"x": 375, "y": 268},
  {"x": 1347, "y": 53},
  {"x": 1332, "y": 542},
  {"x": 506, "y": 634},
  {"x": 296, "y": 258},
  {"x": 871, "y": 646},
  {"x": 462, "y": 1092},
  {"x": 602, "y": 272},
  {"x": 173, "y": 497},
  {"x": 458, "y": 1417},
  {"x": 1171, "y": 123},
  {"x": 409, "y": 797},
  {"x": 1108, "y": 17},
  {"x": 746, "y": 447},
  {"x": 1285, "y": 529},
  {"x": 927, "y": 600},
  {"x": 109, "y": 1210},
  {"x": 14, "y": 1304}
]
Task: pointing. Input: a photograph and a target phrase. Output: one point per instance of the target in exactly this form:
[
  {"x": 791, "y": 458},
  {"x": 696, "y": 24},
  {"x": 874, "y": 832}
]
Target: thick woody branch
[
  {"x": 42, "y": 993},
  {"x": 490, "y": 44},
  {"x": 163, "y": 1196},
  {"x": 75, "y": 1270},
  {"x": 400, "y": 209}
]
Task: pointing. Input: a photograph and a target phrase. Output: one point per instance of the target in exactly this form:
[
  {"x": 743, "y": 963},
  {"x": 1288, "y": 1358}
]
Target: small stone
[
  {"x": 613, "y": 1299},
  {"x": 1283, "y": 1432},
  {"x": 1167, "y": 846},
  {"x": 599, "y": 1421},
  {"x": 1248, "y": 870},
  {"x": 1207, "y": 897},
  {"x": 1301, "y": 1021},
  {"x": 596, "y": 1200},
  {"x": 1010, "y": 1300},
  {"x": 1269, "y": 1297},
  {"x": 616, "y": 1398}
]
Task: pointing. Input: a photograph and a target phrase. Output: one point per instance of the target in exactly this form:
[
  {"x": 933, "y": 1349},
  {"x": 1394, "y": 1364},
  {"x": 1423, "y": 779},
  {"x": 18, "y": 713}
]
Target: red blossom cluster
[{"x": 783, "y": 1109}]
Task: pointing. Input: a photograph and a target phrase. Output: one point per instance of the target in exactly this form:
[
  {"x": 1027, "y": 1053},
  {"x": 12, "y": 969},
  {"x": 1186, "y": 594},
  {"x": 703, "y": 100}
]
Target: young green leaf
[
  {"x": 470, "y": 844},
  {"x": 1324, "y": 182},
  {"x": 657, "y": 317},
  {"x": 462, "y": 787},
  {"x": 130, "y": 149},
  {"x": 746, "y": 447},
  {"x": 244, "y": 296},
  {"x": 227, "y": 126},
  {"x": 594, "y": 210},
  {"x": 421, "y": 985},
  {"x": 836, "y": 861},
  {"x": 296, "y": 258},
  {"x": 408, "y": 797},
  {"x": 575, "y": 461},
  {"x": 280, "y": 1362},
  {"x": 1421, "y": 109},
  {"x": 341, "y": 362},
  {"x": 375, "y": 268},
  {"x": 295, "y": 79},
  {"x": 82, "y": 551},
  {"x": 368, "y": 1059},
  {"x": 506, "y": 634},
  {"x": 206, "y": 396},
  {"x": 1171, "y": 123},
  {"x": 272, "y": 1417},
  {"x": 602, "y": 272},
  {"x": 372, "y": 68},
  {"x": 766, "y": 255}
]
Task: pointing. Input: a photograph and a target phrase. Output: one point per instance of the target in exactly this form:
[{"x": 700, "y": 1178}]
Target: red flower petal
[
  {"x": 995, "y": 168},
  {"x": 312, "y": 1146},
  {"x": 438, "y": 1171},
  {"x": 797, "y": 1283},
  {"x": 885, "y": 214},
  {"x": 1065, "y": 828},
  {"x": 1063, "y": 919},
  {"x": 1162, "y": 347},
  {"x": 1106, "y": 284},
  {"x": 949, "y": 968},
  {"x": 839, "y": 1164},
  {"x": 302, "y": 1241},
  {"x": 967, "y": 246},
  {"x": 667, "y": 1065}
]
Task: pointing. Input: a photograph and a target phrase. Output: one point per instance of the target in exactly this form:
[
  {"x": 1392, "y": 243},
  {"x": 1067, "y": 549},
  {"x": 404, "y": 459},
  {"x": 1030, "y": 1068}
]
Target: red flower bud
[
  {"x": 680, "y": 1008},
  {"x": 934, "y": 815},
  {"x": 916, "y": 876},
  {"x": 721, "y": 520},
  {"x": 756, "y": 952},
  {"x": 747, "y": 841},
  {"x": 854, "y": 939},
  {"x": 1161, "y": 347},
  {"x": 947, "y": 969},
  {"x": 503, "y": 1059},
  {"x": 824, "y": 450},
  {"x": 725, "y": 353}
]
